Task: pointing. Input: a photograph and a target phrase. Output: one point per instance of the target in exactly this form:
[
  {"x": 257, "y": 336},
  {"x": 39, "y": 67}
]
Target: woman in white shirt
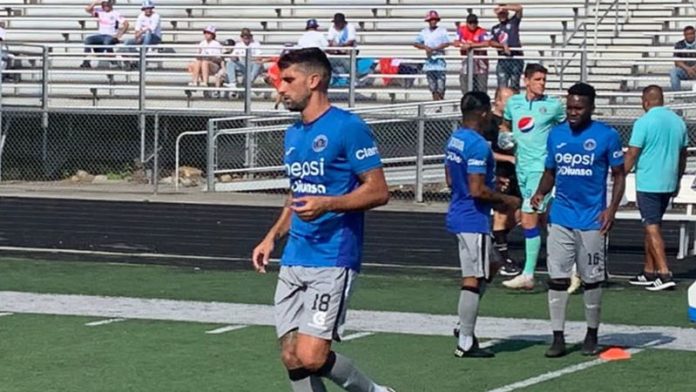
[{"x": 209, "y": 58}]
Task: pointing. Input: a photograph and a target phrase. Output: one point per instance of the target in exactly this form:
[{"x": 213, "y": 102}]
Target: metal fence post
[
  {"x": 247, "y": 81},
  {"x": 420, "y": 153},
  {"x": 352, "y": 71},
  {"x": 155, "y": 165},
  {"x": 141, "y": 100},
  {"x": 210, "y": 157},
  {"x": 470, "y": 71},
  {"x": 44, "y": 78},
  {"x": 583, "y": 64}
]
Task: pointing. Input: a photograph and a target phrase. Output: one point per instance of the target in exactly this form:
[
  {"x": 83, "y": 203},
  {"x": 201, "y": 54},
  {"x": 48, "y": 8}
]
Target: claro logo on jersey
[
  {"x": 568, "y": 164},
  {"x": 525, "y": 124},
  {"x": 366, "y": 153},
  {"x": 297, "y": 171}
]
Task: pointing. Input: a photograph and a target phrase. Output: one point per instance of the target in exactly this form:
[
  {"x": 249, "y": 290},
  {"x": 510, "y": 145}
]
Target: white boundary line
[
  {"x": 6, "y": 314},
  {"x": 104, "y": 322},
  {"x": 556, "y": 374},
  {"x": 354, "y": 336},
  {"x": 228, "y": 328}
]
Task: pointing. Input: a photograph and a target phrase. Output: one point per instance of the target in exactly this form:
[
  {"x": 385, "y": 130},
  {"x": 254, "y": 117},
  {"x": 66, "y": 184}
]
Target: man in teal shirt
[
  {"x": 530, "y": 116},
  {"x": 658, "y": 150}
]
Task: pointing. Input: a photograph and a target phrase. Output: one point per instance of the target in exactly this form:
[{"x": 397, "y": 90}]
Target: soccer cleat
[
  {"x": 474, "y": 352},
  {"x": 589, "y": 346},
  {"x": 662, "y": 282},
  {"x": 557, "y": 349},
  {"x": 520, "y": 282},
  {"x": 575, "y": 284},
  {"x": 509, "y": 269},
  {"x": 642, "y": 279}
]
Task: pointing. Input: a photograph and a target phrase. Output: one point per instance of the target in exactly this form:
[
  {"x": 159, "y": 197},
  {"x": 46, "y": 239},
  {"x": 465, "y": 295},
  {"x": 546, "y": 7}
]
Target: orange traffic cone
[{"x": 615, "y": 354}]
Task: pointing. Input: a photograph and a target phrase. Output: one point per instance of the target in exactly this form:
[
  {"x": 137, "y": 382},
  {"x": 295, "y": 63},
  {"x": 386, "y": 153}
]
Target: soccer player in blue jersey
[
  {"x": 581, "y": 152},
  {"x": 470, "y": 173},
  {"x": 335, "y": 174}
]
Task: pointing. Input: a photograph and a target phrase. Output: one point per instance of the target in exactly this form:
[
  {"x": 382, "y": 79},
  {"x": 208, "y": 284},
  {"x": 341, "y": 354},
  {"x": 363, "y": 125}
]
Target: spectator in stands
[
  {"x": 684, "y": 70},
  {"x": 341, "y": 34},
  {"x": 312, "y": 38},
  {"x": 236, "y": 64},
  {"x": 112, "y": 26},
  {"x": 469, "y": 37},
  {"x": 433, "y": 40},
  {"x": 209, "y": 58},
  {"x": 148, "y": 29},
  {"x": 506, "y": 37},
  {"x": 658, "y": 149}
]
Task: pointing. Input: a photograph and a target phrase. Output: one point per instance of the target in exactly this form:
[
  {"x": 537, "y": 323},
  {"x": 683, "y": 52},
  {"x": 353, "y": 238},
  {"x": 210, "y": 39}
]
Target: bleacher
[{"x": 386, "y": 28}]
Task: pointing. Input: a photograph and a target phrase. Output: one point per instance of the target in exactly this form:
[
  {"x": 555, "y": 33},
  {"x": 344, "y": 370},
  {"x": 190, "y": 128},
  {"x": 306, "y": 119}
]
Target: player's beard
[{"x": 296, "y": 105}]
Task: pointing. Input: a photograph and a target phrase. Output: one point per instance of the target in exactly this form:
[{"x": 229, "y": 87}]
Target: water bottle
[{"x": 692, "y": 302}]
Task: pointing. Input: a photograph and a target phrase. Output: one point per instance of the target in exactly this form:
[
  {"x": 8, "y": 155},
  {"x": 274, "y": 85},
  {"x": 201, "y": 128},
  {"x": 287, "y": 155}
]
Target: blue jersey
[
  {"x": 325, "y": 158},
  {"x": 582, "y": 161},
  {"x": 467, "y": 153}
]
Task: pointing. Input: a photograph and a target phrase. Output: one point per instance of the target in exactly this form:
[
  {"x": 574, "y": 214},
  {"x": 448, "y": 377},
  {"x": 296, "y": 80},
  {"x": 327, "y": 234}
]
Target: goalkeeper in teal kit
[{"x": 530, "y": 116}]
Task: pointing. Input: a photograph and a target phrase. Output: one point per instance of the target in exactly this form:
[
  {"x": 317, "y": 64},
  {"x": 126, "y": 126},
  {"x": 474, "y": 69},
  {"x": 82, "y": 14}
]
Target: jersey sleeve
[
  {"x": 637, "y": 135},
  {"x": 560, "y": 114},
  {"x": 507, "y": 112},
  {"x": 361, "y": 148},
  {"x": 477, "y": 158},
  {"x": 614, "y": 150},
  {"x": 550, "y": 162}
]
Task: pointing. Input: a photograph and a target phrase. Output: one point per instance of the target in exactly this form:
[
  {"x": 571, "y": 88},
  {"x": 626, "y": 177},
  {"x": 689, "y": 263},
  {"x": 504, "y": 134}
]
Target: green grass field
[{"x": 42, "y": 352}]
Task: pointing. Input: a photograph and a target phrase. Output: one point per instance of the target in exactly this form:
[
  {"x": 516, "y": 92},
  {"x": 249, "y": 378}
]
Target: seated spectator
[
  {"x": 236, "y": 63},
  {"x": 342, "y": 35},
  {"x": 209, "y": 58},
  {"x": 148, "y": 27},
  {"x": 433, "y": 40},
  {"x": 684, "y": 70},
  {"x": 112, "y": 26},
  {"x": 312, "y": 38},
  {"x": 221, "y": 76}
]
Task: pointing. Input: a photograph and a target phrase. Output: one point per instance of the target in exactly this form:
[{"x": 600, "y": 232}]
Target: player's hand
[
  {"x": 606, "y": 219},
  {"x": 503, "y": 184},
  {"x": 537, "y": 201},
  {"x": 691, "y": 72},
  {"x": 261, "y": 255},
  {"x": 309, "y": 208},
  {"x": 513, "y": 203}
]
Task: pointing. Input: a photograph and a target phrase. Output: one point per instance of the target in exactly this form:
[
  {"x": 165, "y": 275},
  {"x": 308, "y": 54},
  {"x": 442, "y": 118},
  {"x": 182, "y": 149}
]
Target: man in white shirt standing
[
  {"x": 433, "y": 40},
  {"x": 236, "y": 63},
  {"x": 112, "y": 26},
  {"x": 148, "y": 28},
  {"x": 312, "y": 38},
  {"x": 341, "y": 34}
]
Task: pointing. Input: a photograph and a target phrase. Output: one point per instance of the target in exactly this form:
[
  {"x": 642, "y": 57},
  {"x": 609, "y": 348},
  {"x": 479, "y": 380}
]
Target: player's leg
[
  {"x": 325, "y": 306},
  {"x": 474, "y": 250},
  {"x": 591, "y": 264},
  {"x": 288, "y": 307},
  {"x": 561, "y": 257}
]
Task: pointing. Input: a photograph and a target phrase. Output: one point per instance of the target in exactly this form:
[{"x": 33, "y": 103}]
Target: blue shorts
[{"x": 652, "y": 206}]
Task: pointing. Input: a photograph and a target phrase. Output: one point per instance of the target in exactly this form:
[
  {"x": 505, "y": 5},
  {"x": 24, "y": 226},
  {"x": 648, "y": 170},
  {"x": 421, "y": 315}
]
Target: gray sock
[
  {"x": 593, "y": 306},
  {"x": 468, "y": 311},
  {"x": 343, "y": 372},
  {"x": 558, "y": 303},
  {"x": 304, "y": 382}
]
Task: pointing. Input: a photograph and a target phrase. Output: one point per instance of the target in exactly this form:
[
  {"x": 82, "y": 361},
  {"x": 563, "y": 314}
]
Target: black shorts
[
  {"x": 652, "y": 206},
  {"x": 514, "y": 188}
]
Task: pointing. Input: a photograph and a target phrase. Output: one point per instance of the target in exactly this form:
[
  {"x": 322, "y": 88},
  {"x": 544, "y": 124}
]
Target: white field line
[
  {"x": 673, "y": 338},
  {"x": 6, "y": 314},
  {"x": 227, "y": 328},
  {"x": 358, "y": 335},
  {"x": 104, "y": 322},
  {"x": 556, "y": 374}
]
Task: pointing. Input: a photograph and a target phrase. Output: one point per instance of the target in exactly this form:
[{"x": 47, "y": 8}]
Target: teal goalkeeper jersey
[{"x": 531, "y": 123}]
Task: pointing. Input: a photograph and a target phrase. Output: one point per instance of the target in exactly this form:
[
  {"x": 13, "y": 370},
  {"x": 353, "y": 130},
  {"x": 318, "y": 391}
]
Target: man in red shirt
[{"x": 470, "y": 37}]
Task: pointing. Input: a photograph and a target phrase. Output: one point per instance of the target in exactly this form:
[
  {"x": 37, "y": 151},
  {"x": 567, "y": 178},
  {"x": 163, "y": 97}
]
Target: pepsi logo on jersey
[{"x": 525, "y": 124}]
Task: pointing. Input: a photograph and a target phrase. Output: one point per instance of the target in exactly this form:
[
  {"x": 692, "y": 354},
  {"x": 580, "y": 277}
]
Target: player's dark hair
[
  {"x": 533, "y": 68},
  {"x": 473, "y": 103},
  {"x": 583, "y": 90},
  {"x": 311, "y": 60},
  {"x": 688, "y": 28}
]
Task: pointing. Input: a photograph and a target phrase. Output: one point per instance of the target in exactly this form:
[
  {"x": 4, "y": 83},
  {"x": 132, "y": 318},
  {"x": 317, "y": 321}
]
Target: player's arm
[
  {"x": 372, "y": 192},
  {"x": 545, "y": 186},
  {"x": 263, "y": 250},
  {"x": 480, "y": 191},
  {"x": 630, "y": 158},
  {"x": 503, "y": 157}
]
